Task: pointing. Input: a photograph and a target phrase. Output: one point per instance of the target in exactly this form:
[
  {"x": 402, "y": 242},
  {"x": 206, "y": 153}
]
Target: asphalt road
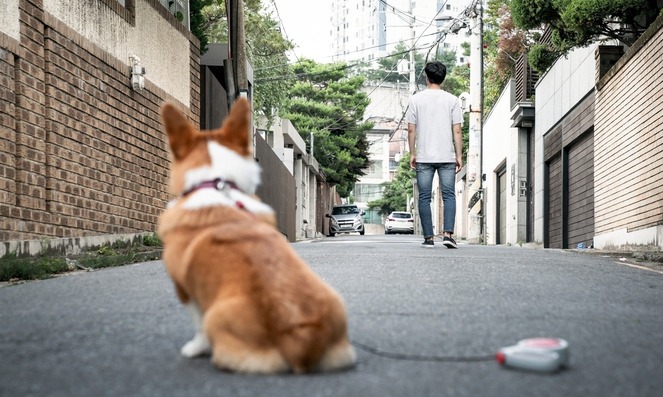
[{"x": 419, "y": 318}]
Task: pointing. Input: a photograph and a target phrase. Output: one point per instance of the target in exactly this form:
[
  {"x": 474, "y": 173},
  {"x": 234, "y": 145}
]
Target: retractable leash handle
[{"x": 535, "y": 354}]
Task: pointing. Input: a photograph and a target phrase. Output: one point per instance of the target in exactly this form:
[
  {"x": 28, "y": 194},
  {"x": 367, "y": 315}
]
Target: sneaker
[
  {"x": 428, "y": 243},
  {"x": 449, "y": 242}
]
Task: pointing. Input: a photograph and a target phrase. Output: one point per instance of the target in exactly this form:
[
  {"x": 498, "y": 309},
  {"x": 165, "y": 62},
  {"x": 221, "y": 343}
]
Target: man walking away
[{"x": 435, "y": 140}]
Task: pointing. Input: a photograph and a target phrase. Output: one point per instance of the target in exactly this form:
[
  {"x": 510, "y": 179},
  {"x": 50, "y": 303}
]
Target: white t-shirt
[{"x": 434, "y": 112}]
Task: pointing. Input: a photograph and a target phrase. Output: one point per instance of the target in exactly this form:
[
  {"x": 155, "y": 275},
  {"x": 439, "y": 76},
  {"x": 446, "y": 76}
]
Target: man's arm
[
  {"x": 411, "y": 142},
  {"x": 458, "y": 144}
]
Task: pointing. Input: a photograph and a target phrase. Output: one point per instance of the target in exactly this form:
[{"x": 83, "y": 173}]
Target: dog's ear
[
  {"x": 180, "y": 131},
  {"x": 235, "y": 129}
]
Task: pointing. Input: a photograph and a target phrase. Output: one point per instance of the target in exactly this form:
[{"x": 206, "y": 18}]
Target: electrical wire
[
  {"x": 278, "y": 15},
  {"x": 412, "y": 48}
]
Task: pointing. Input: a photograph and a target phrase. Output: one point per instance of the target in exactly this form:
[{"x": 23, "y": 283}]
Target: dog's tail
[{"x": 317, "y": 346}]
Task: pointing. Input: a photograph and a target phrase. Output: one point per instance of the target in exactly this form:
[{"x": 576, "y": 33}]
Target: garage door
[
  {"x": 554, "y": 207},
  {"x": 580, "y": 202}
]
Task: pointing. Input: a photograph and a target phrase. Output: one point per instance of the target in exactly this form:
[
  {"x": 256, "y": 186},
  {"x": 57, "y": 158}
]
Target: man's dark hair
[{"x": 436, "y": 72}]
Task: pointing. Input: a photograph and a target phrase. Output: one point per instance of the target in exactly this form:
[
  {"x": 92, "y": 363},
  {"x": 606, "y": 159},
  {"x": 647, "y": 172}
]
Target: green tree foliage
[
  {"x": 577, "y": 23},
  {"x": 396, "y": 192},
  {"x": 457, "y": 80},
  {"x": 198, "y": 22},
  {"x": 265, "y": 48},
  {"x": 386, "y": 69},
  {"x": 328, "y": 103}
]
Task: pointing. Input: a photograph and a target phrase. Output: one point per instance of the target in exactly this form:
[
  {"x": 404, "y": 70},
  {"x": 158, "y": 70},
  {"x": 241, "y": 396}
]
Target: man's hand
[
  {"x": 459, "y": 163},
  {"x": 413, "y": 161}
]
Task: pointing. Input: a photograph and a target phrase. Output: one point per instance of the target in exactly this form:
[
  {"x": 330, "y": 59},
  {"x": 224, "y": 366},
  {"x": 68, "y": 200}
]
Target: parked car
[
  {"x": 399, "y": 222},
  {"x": 346, "y": 218}
]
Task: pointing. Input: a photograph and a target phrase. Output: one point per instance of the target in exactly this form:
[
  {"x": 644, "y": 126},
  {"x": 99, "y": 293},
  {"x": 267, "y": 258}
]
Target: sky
[{"x": 306, "y": 23}]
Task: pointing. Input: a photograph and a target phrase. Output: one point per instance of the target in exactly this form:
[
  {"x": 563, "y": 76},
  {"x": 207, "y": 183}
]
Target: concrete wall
[
  {"x": 496, "y": 140},
  {"x": 107, "y": 30},
  {"x": 300, "y": 173},
  {"x": 9, "y": 23}
]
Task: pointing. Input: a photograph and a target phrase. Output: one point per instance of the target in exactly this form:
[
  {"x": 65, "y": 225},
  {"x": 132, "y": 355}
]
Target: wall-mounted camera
[{"x": 137, "y": 73}]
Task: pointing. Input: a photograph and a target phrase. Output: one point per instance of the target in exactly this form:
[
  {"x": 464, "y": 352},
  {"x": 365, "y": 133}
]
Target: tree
[
  {"x": 504, "y": 43},
  {"x": 197, "y": 22},
  {"x": 265, "y": 48},
  {"x": 396, "y": 191},
  {"x": 386, "y": 69},
  {"x": 577, "y": 23},
  {"x": 328, "y": 103}
]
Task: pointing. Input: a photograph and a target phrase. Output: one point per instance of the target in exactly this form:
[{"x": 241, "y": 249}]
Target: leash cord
[{"x": 417, "y": 357}]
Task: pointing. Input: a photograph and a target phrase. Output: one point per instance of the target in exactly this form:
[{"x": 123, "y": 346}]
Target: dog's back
[{"x": 257, "y": 306}]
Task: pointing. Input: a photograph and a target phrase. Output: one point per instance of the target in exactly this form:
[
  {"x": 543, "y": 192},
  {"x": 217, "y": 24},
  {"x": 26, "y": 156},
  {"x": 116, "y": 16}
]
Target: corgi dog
[{"x": 256, "y": 305}]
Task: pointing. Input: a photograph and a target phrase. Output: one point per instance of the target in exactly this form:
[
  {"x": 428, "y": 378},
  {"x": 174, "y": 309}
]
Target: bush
[
  {"x": 12, "y": 267},
  {"x": 541, "y": 58},
  {"x": 152, "y": 240},
  {"x": 121, "y": 252}
]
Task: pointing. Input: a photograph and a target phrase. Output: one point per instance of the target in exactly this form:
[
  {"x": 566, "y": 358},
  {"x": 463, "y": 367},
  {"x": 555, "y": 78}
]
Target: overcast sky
[{"x": 306, "y": 23}]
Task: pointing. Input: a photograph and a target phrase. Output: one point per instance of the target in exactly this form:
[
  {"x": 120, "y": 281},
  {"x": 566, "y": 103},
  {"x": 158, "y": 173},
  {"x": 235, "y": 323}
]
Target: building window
[
  {"x": 374, "y": 170},
  {"x": 367, "y": 192},
  {"x": 179, "y": 9}
]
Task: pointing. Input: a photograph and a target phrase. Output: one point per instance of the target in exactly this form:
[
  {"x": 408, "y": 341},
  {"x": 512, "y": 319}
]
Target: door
[
  {"x": 500, "y": 202},
  {"x": 580, "y": 197},
  {"x": 553, "y": 229}
]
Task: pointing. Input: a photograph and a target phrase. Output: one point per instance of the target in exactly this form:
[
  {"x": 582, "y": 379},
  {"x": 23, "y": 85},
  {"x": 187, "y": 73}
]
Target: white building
[
  {"x": 290, "y": 148},
  {"x": 366, "y": 30}
]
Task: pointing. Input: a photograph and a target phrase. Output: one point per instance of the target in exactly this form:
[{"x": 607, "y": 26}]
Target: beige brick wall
[
  {"x": 81, "y": 153},
  {"x": 628, "y": 139}
]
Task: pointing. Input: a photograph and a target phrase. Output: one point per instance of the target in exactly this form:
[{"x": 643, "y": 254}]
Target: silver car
[{"x": 346, "y": 218}]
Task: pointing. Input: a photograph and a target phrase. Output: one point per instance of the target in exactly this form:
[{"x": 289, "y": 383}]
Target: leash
[{"x": 417, "y": 357}]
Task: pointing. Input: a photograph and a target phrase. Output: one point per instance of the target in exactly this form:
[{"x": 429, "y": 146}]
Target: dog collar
[{"x": 219, "y": 184}]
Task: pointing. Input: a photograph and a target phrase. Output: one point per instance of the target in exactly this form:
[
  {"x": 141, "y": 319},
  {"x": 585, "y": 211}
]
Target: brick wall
[
  {"x": 628, "y": 139},
  {"x": 81, "y": 153}
]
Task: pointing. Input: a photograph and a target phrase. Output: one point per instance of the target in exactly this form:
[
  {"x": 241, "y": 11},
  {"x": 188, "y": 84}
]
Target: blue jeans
[{"x": 447, "y": 174}]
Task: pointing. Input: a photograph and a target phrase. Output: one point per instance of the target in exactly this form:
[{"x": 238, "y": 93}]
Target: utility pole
[
  {"x": 413, "y": 85},
  {"x": 242, "y": 77},
  {"x": 237, "y": 54},
  {"x": 474, "y": 171}
]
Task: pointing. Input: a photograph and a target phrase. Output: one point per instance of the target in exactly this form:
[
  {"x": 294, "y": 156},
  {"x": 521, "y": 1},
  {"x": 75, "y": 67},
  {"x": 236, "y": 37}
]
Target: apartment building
[{"x": 366, "y": 30}]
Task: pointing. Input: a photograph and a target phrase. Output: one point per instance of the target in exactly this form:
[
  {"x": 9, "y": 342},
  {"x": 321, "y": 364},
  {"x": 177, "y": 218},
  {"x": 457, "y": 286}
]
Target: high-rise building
[{"x": 366, "y": 30}]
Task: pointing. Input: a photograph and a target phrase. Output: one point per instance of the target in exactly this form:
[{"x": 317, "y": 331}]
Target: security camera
[
  {"x": 137, "y": 82},
  {"x": 137, "y": 73}
]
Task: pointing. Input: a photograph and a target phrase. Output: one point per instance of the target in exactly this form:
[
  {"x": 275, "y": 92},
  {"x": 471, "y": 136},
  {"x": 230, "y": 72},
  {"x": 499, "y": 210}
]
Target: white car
[{"x": 399, "y": 222}]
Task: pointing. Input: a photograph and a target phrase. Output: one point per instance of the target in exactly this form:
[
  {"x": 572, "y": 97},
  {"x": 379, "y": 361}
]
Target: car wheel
[
  {"x": 386, "y": 232},
  {"x": 362, "y": 232},
  {"x": 332, "y": 234}
]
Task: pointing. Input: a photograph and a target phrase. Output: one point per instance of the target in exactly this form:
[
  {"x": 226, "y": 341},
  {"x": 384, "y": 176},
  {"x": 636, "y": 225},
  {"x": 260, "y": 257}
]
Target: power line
[
  {"x": 278, "y": 15},
  {"x": 412, "y": 48}
]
